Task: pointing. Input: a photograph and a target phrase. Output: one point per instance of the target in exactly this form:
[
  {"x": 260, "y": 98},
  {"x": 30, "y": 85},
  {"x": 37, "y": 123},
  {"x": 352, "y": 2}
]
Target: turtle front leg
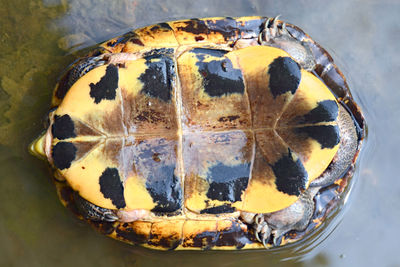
[
  {"x": 92, "y": 212},
  {"x": 276, "y": 224},
  {"x": 275, "y": 34}
]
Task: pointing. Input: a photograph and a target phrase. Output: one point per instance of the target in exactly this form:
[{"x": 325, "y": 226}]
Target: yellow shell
[{"x": 209, "y": 125}]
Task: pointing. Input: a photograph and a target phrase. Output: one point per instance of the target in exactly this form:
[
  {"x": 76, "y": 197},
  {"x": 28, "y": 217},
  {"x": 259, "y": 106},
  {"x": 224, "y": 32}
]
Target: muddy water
[{"x": 40, "y": 38}]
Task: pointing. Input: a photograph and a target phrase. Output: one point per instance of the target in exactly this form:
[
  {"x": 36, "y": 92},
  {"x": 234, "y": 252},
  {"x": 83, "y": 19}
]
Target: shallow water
[{"x": 40, "y": 38}]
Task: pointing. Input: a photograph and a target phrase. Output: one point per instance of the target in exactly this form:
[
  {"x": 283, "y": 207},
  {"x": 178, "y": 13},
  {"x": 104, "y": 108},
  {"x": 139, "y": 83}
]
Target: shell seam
[
  {"x": 178, "y": 107},
  {"x": 253, "y": 151}
]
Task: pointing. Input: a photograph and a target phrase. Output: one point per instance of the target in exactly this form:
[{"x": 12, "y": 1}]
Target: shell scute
[
  {"x": 106, "y": 87},
  {"x": 111, "y": 187},
  {"x": 166, "y": 234},
  {"x": 147, "y": 88},
  {"x": 217, "y": 169},
  {"x": 157, "y": 77},
  {"x": 232, "y": 233},
  {"x": 223, "y": 31},
  {"x": 200, "y": 234},
  {"x": 143, "y": 39},
  {"x": 135, "y": 233},
  {"x": 213, "y": 91}
]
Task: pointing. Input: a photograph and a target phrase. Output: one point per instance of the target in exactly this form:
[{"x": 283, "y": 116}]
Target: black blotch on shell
[
  {"x": 63, "y": 153},
  {"x": 78, "y": 69},
  {"x": 227, "y": 183},
  {"x": 63, "y": 127},
  {"x": 284, "y": 75},
  {"x": 233, "y": 30},
  {"x": 165, "y": 26},
  {"x": 233, "y": 236},
  {"x": 218, "y": 209},
  {"x": 157, "y": 78},
  {"x": 328, "y": 136},
  {"x": 219, "y": 76},
  {"x": 169, "y": 242},
  {"x": 165, "y": 189},
  {"x": 228, "y": 27},
  {"x": 291, "y": 176},
  {"x": 194, "y": 26},
  {"x": 228, "y": 191},
  {"x": 129, "y": 234},
  {"x": 205, "y": 240},
  {"x": 106, "y": 88},
  {"x": 129, "y": 36},
  {"x": 111, "y": 187},
  {"x": 325, "y": 111}
]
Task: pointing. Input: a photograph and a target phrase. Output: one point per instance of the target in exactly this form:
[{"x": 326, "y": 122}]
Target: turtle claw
[
  {"x": 284, "y": 27},
  {"x": 276, "y": 34},
  {"x": 275, "y": 24},
  {"x": 262, "y": 230},
  {"x": 265, "y": 236},
  {"x": 276, "y": 241},
  {"x": 109, "y": 216},
  {"x": 267, "y": 22},
  {"x": 284, "y": 30},
  {"x": 271, "y": 30}
]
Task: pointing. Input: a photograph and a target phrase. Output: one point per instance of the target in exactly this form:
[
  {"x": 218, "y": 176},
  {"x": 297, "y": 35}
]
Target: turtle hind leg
[
  {"x": 276, "y": 224},
  {"x": 295, "y": 217},
  {"x": 92, "y": 212}
]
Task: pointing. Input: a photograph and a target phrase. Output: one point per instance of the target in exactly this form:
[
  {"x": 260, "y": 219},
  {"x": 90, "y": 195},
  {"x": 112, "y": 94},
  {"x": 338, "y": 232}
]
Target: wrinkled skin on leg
[
  {"x": 281, "y": 38},
  {"x": 93, "y": 212},
  {"x": 295, "y": 217}
]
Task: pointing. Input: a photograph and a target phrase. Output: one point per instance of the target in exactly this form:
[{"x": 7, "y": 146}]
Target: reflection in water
[
  {"x": 30, "y": 62},
  {"x": 143, "y": 257},
  {"x": 90, "y": 22}
]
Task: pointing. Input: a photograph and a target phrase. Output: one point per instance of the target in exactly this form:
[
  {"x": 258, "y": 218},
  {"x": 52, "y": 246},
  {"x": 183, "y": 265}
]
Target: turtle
[{"x": 213, "y": 133}]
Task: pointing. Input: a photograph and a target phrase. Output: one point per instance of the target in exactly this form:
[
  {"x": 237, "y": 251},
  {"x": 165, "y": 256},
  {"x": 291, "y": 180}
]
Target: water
[{"x": 40, "y": 38}]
